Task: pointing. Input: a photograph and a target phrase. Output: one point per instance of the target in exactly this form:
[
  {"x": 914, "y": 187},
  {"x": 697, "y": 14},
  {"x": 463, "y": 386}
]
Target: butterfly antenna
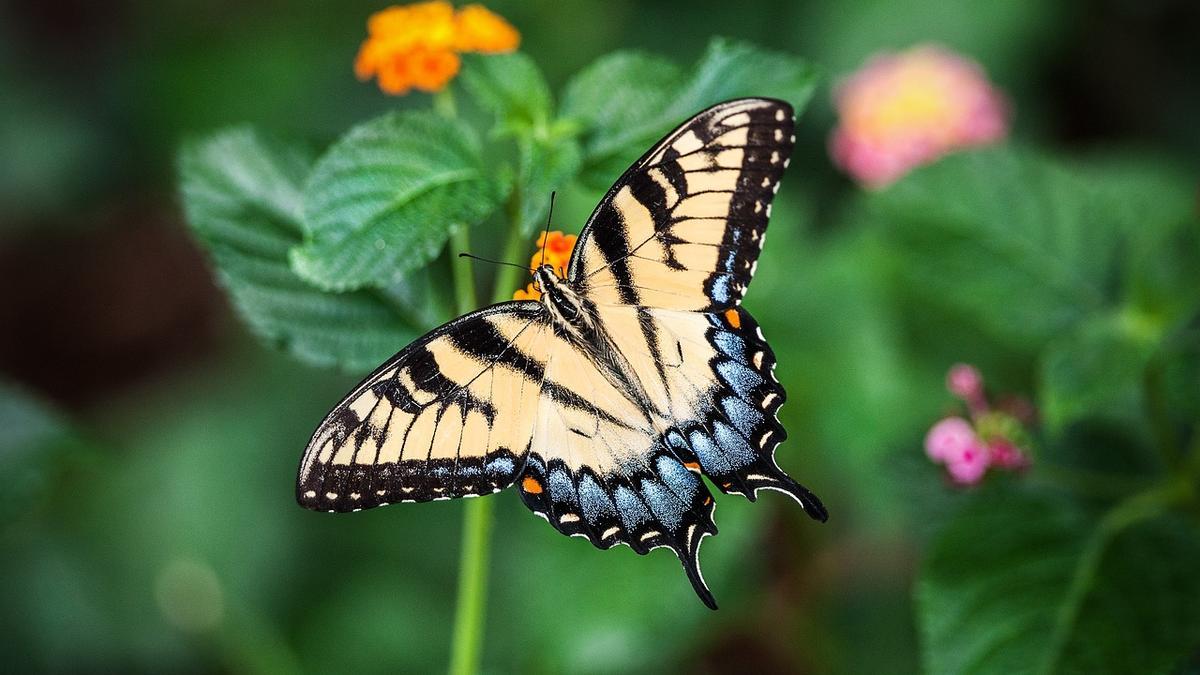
[
  {"x": 472, "y": 256},
  {"x": 546, "y": 236}
]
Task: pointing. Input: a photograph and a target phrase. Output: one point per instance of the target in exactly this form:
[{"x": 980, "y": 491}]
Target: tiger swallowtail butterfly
[{"x": 606, "y": 400}]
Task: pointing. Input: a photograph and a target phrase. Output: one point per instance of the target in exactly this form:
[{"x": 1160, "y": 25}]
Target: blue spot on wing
[
  {"x": 710, "y": 456},
  {"x": 736, "y": 448},
  {"x": 744, "y": 417},
  {"x": 501, "y": 466},
  {"x": 561, "y": 488},
  {"x": 738, "y": 376},
  {"x": 729, "y": 344},
  {"x": 631, "y": 509},
  {"x": 593, "y": 501},
  {"x": 681, "y": 481},
  {"x": 666, "y": 506},
  {"x": 721, "y": 289}
]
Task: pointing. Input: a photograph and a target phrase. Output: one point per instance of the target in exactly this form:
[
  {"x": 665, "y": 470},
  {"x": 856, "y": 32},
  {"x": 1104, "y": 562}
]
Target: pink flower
[
  {"x": 903, "y": 110},
  {"x": 968, "y": 466},
  {"x": 949, "y": 438},
  {"x": 964, "y": 381}
]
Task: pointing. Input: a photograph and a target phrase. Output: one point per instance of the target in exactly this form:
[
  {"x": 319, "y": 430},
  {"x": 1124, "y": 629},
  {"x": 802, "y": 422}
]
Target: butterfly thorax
[{"x": 565, "y": 305}]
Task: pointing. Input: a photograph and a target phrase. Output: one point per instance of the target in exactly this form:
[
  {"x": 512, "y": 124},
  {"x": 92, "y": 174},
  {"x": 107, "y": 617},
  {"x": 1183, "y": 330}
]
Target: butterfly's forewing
[
  {"x": 683, "y": 227},
  {"x": 451, "y": 415}
]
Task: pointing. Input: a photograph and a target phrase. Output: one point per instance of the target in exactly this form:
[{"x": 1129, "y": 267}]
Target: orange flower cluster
[
  {"x": 554, "y": 249},
  {"x": 417, "y": 45}
]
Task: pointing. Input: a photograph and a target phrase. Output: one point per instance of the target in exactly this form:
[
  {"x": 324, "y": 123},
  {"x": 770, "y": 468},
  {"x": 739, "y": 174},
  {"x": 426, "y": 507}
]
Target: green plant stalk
[
  {"x": 471, "y": 611},
  {"x": 470, "y": 614},
  {"x": 507, "y": 277}
]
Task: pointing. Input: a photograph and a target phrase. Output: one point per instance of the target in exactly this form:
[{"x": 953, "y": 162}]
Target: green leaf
[
  {"x": 241, "y": 194},
  {"x": 1018, "y": 583},
  {"x": 621, "y": 91},
  {"x": 510, "y": 86},
  {"x": 384, "y": 199},
  {"x": 544, "y": 166},
  {"x": 34, "y": 439},
  {"x": 1012, "y": 241},
  {"x": 627, "y": 101},
  {"x": 1098, "y": 370}
]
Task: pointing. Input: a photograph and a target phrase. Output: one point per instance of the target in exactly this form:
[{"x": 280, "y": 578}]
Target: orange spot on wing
[
  {"x": 707, "y": 501},
  {"x": 734, "y": 319},
  {"x": 695, "y": 466},
  {"x": 531, "y": 485}
]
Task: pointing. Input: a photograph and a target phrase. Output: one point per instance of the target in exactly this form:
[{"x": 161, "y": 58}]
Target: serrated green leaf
[
  {"x": 384, "y": 199},
  {"x": 241, "y": 194},
  {"x": 544, "y": 166},
  {"x": 1097, "y": 370},
  {"x": 620, "y": 91},
  {"x": 1017, "y": 583},
  {"x": 728, "y": 69},
  {"x": 510, "y": 86},
  {"x": 1011, "y": 240}
]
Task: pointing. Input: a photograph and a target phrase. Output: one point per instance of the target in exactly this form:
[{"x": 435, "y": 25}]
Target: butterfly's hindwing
[
  {"x": 451, "y": 415},
  {"x": 682, "y": 229}
]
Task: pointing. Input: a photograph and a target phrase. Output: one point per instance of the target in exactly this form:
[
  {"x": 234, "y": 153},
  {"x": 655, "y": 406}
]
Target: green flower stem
[
  {"x": 470, "y": 614},
  {"x": 507, "y": 277}
]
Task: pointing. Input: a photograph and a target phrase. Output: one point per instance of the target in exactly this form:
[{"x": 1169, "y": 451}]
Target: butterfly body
[{"x": 606, "y": 401}]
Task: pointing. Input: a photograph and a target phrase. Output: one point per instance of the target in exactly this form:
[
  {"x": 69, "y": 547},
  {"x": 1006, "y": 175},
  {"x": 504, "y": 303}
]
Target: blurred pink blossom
[
  {"x": 905, "y": 109},
  {"x": 969, "y": 465},
  {"x": 964, "y": 381},
  {"x": 989, "y": 439},
  {"x": 948, "y": 438}
]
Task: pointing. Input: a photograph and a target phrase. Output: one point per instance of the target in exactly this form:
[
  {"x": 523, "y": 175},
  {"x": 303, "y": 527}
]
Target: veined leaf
[
  {"x": 1011, "y": 240},
  {"x": 384, "y": 199},
  {"x": 544, "y": 166},
  {"x": 241, "y": 193},
  {"x": 512, "y": 87},
  {"x": 1097, "y": 370},
  {"x": 1024, "y": 584}
]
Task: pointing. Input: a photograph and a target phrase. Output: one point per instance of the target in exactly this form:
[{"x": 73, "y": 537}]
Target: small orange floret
[
  {"x": 554, "y": 249},
  {"x": 734, "y": 319},
  {"x": 531, "y": 485},
  {"x": 418, "y": 45},
  {"x": 431, "y": 70},
  {"x": 478, "y": 29},
  {"x": 530, "y": 292}
]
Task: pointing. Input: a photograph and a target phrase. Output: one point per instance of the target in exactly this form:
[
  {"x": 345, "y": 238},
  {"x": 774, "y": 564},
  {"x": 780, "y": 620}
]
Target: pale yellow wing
[{"x": 451, "y": 415}]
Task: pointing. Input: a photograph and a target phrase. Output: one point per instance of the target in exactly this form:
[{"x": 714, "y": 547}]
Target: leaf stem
[
  {"x": 1142, "y": 506},
  {"x": 506, "y": 277}
]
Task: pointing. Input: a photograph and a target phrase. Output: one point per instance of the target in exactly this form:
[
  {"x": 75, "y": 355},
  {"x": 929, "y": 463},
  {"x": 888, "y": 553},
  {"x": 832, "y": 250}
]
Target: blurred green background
[{"x": 150, "y": 443}]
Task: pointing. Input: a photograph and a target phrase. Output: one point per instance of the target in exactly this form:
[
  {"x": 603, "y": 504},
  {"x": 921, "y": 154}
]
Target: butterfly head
[{"x": 558, "y": 296}]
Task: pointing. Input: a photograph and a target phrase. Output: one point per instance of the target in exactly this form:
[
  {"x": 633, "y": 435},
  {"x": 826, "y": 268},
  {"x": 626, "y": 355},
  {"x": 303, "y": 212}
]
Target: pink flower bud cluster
[
  {"x": 986, "y": 439},
  {"x": 902, "y": 110}
]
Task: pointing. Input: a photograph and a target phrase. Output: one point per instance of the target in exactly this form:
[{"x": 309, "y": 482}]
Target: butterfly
[{"x": 605, "y": 401}]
